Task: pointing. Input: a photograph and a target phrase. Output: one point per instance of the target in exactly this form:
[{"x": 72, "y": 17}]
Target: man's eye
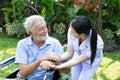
[{"x": 40, "y": 29}]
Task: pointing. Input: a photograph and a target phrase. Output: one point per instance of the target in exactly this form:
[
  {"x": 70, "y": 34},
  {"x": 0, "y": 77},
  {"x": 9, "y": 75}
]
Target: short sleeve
[
  {"x": 100, "y": 46},
  {"x": 88, "y": 53},
  {"x": 58, "y": 48},
  {"x": 100, "y": 43},
  {"x": 69, "y": 37},
  {"x": 21, "y": 55}
]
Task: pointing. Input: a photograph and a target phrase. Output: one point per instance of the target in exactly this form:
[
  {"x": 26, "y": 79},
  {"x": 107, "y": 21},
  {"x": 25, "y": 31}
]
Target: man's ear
[{"x": 30, "y": 32}]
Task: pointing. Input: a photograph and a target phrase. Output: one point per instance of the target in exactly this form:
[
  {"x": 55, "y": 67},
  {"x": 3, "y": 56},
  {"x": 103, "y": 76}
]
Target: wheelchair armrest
[
  {"x": 7, "y": 62},
  {"x": 13, "y": 74}
]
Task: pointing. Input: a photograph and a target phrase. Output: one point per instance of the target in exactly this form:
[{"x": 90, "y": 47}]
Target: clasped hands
[{"x": 53, "y": 59}]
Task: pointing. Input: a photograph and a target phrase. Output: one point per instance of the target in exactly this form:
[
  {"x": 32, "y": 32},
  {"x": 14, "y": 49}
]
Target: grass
[
  {"x": 7, "y": 49},
  {"x": 1, "y": 34},
  {"x": 109, "y": 68}
]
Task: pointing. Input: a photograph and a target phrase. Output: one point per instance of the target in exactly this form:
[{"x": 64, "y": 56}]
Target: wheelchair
[{"x": 13, "y": 75}]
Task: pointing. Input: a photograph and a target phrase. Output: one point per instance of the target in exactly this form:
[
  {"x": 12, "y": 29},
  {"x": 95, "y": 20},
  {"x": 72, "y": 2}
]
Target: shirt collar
[
  {"x": 86, "y": 43},
  {"x": 30, "y": 41}
]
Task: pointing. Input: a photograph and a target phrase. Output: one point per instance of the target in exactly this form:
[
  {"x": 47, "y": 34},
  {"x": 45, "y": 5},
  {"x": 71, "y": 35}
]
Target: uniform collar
[{"x": 85, "y": 44}]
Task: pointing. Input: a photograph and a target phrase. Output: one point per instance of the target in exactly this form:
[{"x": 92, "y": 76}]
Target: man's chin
[{"x": 44, "y": 38}]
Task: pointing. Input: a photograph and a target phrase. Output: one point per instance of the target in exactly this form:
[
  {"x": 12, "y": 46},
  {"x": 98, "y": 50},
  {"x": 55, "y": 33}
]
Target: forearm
[
  {"x": 30, "y": 68},
  {"x": 68, "y": 64},
  {"x": 66, "y": 56},
  {"x": 65, "y": 70},
  {"x": 73, "y": 62}
]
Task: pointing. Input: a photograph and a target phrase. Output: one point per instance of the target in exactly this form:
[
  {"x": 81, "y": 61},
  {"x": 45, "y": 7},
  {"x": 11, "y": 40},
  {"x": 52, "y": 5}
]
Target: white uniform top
[{"x": 85, "y": 70}]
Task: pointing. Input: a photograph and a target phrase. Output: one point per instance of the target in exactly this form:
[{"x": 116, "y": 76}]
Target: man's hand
[
  {"x": 51, "y": 57},
  {"x": 54, "y": 57},
  {"x": 46, "y": 65}
]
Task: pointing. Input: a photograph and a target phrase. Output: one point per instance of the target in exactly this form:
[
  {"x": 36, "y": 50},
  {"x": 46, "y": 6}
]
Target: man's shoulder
[
  {"x": 53, "y": 39},
  {"x": 25, "y": 40}
]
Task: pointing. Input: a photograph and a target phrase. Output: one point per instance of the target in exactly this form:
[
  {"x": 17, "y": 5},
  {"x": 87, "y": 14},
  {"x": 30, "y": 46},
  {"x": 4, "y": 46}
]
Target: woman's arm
[
  {"x": 70, "y": 63},
  {"x": 68, "y": 54},
  {"x": 46, "y": 66},
  {"x": 65, "y": 70}
]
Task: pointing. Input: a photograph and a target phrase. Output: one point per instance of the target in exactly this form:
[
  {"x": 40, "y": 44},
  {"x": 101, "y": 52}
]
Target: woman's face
[{"x": 74, "y": 33}]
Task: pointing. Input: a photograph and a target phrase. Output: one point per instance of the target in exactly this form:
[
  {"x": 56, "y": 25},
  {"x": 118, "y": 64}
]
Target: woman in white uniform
[{"x": 86, "y": 48}]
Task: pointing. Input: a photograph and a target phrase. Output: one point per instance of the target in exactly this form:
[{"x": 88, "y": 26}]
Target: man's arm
[
  {"x": 26, "y": 69},
  {"x": 46, "y": 66}
]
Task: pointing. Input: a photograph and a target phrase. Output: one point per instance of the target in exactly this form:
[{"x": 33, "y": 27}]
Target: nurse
[{"x": 85, "y": 47}]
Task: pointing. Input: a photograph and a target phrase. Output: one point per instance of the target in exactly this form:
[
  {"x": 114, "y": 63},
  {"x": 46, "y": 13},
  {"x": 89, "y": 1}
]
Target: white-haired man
[{"x": 35, "y": 48}]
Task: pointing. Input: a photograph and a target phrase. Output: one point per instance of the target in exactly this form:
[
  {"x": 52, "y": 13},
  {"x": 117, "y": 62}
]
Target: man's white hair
[{"x": 30, "y": 20}]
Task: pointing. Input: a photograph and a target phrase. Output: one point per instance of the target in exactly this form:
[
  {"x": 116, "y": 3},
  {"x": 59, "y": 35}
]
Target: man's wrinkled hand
[
  {"x": 46, "y": 65},
  {"x": 54, "y": 57}
]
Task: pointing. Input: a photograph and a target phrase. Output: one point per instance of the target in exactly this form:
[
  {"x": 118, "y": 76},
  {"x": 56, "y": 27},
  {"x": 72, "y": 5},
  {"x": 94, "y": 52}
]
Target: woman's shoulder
[{"x": 100, "y": 41}]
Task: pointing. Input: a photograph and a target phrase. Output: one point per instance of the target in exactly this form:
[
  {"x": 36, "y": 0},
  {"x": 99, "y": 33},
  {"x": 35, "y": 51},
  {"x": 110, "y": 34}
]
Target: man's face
[{"x": 40, "y": 31}]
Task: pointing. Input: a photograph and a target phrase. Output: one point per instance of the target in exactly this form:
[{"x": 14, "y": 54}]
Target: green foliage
[
  {"x": 109, "y": 40},
  {"x": 2, "y": 35},
  {"x": 7, "y": 11},
  {"x": 16, "y": 11},
  {"x": 59, "y": 28},
  {"x": 115, "y": 21},
  {"x": 48, "y": 10},
  {"x": 16, "y": 29},
  {"x": 118, "y": 33},
  {"x": 71, "y": 12},
  {"x": 111, "y": 18},
  {"x": 0, "y": 29},
  {"x": 61, "y": 11},
  {"x": 61, "y": 37},
  {"x": 60, "y": 32}
]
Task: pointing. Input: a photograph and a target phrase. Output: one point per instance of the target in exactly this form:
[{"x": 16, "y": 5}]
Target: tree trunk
[{"x": 100, "y": 17}]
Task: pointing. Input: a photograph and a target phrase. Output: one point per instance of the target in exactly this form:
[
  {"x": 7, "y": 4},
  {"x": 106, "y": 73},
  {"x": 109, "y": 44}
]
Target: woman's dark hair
[{"x": 81, "y": 24}]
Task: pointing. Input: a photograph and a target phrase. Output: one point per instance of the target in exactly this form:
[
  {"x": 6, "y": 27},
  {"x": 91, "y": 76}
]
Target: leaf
[
  {"x": 7, "y": 20},
  {"x": 43, "y": 12},
  {"x": 71, "y": 11},
  {"x": 57, "y": 3},
  {"x": 119, "y": 4},
  {"x": 49, "y": 10},
  {"x": 8, "y": 10},
  {"x": 77, "y": 8}
]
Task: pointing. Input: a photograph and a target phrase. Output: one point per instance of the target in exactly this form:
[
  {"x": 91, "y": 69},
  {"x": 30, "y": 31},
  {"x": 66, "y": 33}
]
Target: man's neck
[{"x": 38, "y": 43}]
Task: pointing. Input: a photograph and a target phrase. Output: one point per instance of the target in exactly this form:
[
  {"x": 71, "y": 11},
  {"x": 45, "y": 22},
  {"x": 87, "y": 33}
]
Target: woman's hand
[
  {"x": 53, "y": 66},
  {"x": 59, "y": 67},
  {"x": 47, "y": 65}
]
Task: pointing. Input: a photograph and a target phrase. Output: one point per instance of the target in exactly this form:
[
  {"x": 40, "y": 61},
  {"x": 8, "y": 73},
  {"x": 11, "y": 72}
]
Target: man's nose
[{"x": 44, "y": 30}]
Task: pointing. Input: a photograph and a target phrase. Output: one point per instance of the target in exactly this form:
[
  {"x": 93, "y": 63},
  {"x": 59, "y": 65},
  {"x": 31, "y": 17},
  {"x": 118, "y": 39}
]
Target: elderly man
[{"x": 34, "y": 49}]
